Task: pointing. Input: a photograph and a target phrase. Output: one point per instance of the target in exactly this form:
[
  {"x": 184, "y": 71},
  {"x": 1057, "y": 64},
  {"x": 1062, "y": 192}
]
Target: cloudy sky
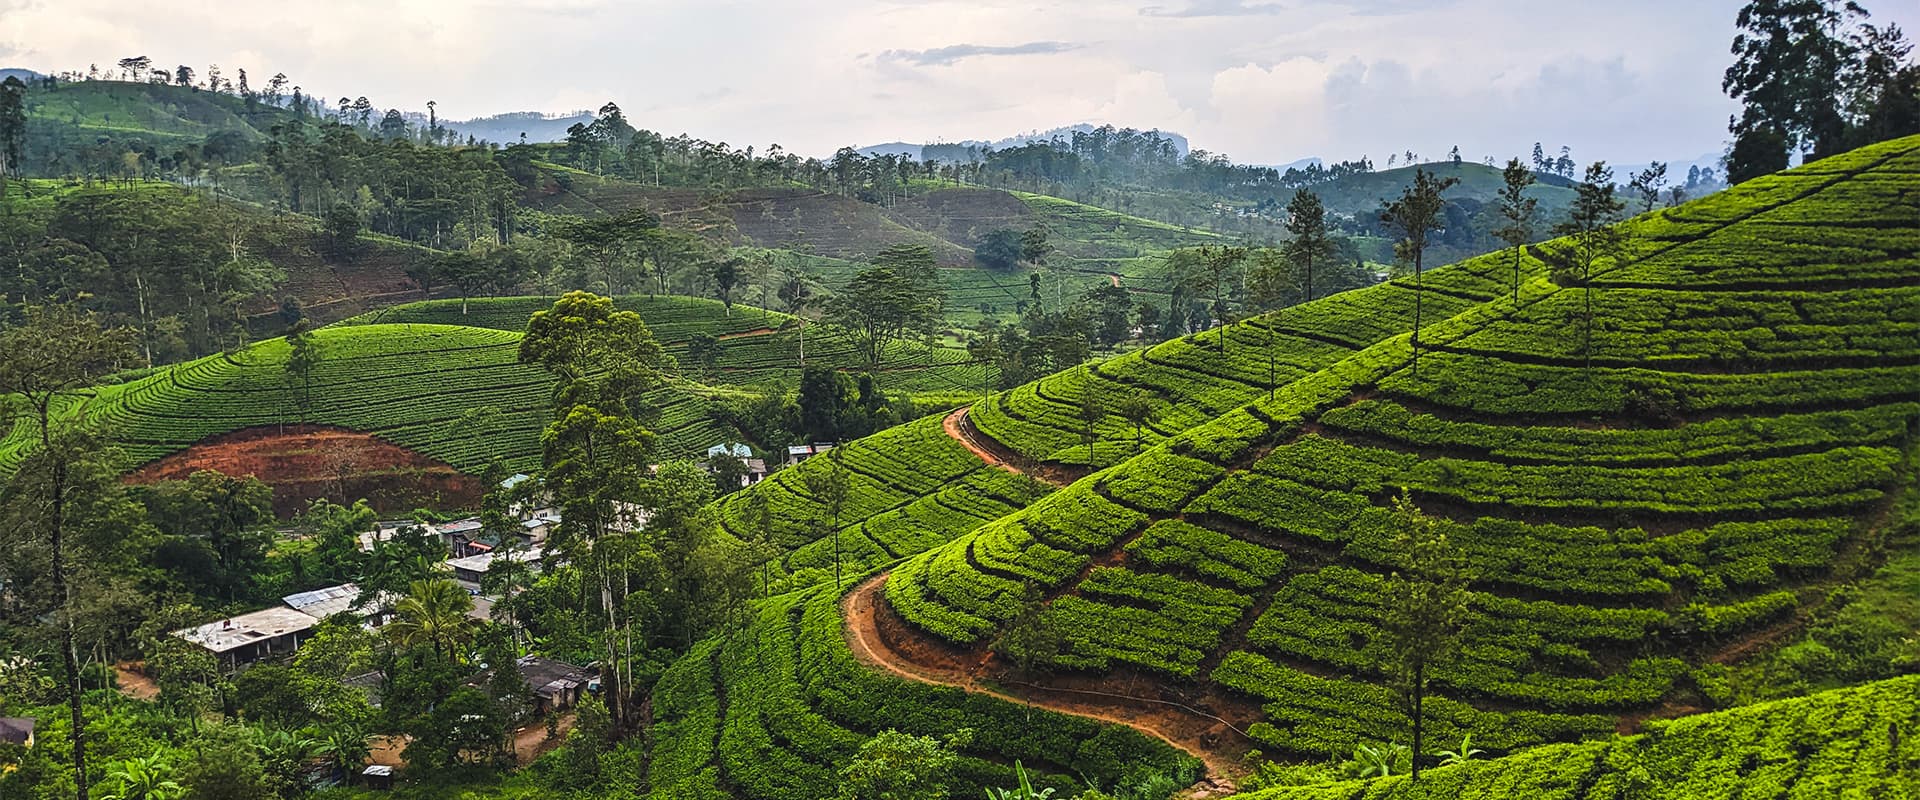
[{"x": 1264, "y": 82}]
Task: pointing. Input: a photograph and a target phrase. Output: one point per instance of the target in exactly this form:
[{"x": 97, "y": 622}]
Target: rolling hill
[{"x": 1683, "y": 494}]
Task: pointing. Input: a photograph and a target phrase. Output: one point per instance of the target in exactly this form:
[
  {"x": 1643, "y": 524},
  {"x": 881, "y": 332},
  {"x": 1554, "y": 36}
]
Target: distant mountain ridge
[
  {"x": 508, "y": 128},
  {"x": 962, "y": 150}
]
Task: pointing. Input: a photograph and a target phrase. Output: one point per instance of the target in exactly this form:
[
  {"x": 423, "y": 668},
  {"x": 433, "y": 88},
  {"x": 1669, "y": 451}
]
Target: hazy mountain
[
  {"x": 968, "y": 148},
  {"x": 506, "y": 128}
]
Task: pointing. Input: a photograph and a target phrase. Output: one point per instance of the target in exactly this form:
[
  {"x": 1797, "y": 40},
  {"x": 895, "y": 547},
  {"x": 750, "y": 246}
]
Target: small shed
[
  {"x": 555, "y": 685},
  {"x": 251, "y": 637},
  {"x": 801, "y": 452},
  {"x": 377, "y": 776},
  {"x": 17, "y": 730}
]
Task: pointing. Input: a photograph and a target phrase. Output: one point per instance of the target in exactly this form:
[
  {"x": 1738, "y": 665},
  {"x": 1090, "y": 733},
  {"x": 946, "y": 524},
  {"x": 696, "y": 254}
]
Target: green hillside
[
  {"x": 1186, "y": 382},
  {"x": 1855, "y": 742},
  {"x": 834, "y": 234},
  {"x": 1363, "y": 193},
  {"x": 407, "y": 383},
  {"x": 160, "y": 112},
  {"x": 756, "y": 345},
  {"x": 1719, "y": 466},
  {"x": 1701, "y": 481}
]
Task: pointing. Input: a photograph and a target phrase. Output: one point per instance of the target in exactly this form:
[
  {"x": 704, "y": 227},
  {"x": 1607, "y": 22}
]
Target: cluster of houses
[{"x": 277, "y": 632}]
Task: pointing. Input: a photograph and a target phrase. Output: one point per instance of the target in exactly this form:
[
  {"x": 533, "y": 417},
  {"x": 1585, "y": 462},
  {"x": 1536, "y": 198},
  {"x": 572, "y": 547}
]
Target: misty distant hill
[
  {"x": 971, "y": 148},
  {"x": 506, "y": 128},
  {"x": 25, "y": 75}
]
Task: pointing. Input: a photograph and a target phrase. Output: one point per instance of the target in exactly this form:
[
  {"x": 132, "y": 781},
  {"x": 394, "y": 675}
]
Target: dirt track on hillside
[{"x": 880, "y": 638}]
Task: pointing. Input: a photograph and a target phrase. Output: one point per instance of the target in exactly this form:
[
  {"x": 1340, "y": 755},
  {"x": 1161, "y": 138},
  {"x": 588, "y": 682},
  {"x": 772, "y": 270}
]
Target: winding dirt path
[
  {"x": 961, "y": 429},
  {"x": 879, "y": 638}
]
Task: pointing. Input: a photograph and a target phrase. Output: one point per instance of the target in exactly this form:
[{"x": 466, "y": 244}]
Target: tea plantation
[
  {"x": 406, "y": 383},
  {"x": 1725, "y": 448},
  {"x": 756, "y": 345},
  {"x": 1840, "y": 743}
]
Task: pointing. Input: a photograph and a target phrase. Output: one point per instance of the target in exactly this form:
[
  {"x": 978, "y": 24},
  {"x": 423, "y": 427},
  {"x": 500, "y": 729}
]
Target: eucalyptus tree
[{"x": 1416, "y": 214}]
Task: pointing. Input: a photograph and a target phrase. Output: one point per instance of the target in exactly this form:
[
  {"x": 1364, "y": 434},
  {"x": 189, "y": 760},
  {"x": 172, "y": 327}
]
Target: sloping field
[
  {"x": 406, "y": 384},
  {"x": 1857, "y": 742},
  {"x": 1726, "y": 456},
  {"x": 1727, "y": 453},
  {"x": 1186, "y": 382},
  {"x": 756, "y": 345}
]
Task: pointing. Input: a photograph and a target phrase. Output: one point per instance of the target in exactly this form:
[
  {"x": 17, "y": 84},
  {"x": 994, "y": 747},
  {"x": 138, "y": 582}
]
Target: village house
[
  {"x": 556, "y": 685},
  {"x": 801, "y": 452},
  {"x": 251, "y": 637},
  {"x": 756, "y": 467}
]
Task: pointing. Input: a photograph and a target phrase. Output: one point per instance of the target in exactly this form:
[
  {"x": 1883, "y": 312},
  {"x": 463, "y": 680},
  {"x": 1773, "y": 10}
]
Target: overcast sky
[{"x": 1264, "y": 82}]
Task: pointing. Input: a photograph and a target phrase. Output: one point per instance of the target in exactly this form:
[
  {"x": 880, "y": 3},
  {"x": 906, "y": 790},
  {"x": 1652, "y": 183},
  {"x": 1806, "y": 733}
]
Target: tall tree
[
  {"x": 1307, "y": 221},
  {"x": 1424, "y": 612},
  {"x": 303, "y": 357},
  {"x": 1414, "y": 215},
  {"x": 828, "y": 488},
  {"x": 596, "y": 450},
  {"x": 1224, "y": 268},
  {"x": 1591, "y": 236},
  {"x": 13, "y": 130},
  {"x": 466, "y": 271},
  {"x": 881, "y": 306},
  {"x": 799, "y": 295},
  {"x": 1518, "y": 210},
  {"x": 725, "y": 274},
  {"x": 1647, "y": 183},
  {"x": 1789, "y": 59},
  {"x": 56, "y": 350}
]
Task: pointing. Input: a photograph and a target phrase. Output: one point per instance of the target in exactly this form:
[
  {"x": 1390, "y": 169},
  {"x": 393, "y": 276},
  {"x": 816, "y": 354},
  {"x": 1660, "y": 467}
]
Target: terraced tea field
[
  {"x": 1840, "y": 743},
  {"x": 756, "y": 345},
  {"x": 1726, "y": 455},
  {"x": 1696, "y": 483},
  {"x": 409, "y": 384}
]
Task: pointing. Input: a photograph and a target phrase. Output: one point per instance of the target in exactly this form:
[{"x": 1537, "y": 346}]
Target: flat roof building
[{"x": 253, "y": 636}]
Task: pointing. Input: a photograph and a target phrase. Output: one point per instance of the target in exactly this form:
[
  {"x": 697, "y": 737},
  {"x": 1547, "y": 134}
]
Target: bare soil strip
[{"x": 880, "y": 638}]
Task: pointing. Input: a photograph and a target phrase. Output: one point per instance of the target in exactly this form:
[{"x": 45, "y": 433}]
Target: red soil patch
[
  {"x": 304, "y": 462},
  {"x": 878, "y": 636},
  {"x": 131, "y": 678}
]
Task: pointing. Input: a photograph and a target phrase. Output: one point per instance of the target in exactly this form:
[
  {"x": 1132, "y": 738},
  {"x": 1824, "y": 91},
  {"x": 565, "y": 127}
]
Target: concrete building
[{"x": 247, "y": 638}]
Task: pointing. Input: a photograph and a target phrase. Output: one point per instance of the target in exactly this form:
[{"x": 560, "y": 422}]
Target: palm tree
[
  {"x": 799, "y": 293},
  {"x": 434, "y": 612},
  {"x": 149, "y": 778}
]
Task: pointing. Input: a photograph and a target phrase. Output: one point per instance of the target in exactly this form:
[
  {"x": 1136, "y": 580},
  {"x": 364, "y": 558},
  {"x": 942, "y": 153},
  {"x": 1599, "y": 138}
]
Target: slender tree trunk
[
  {"x": 1419, "y": 291},
  {"x": 146, "y": 327},
  {"x": 1419, "y": 716},
  {"x": 1516, "y": 275},
  {"x": 63, "y": 591},
  {"x": 1586, "y": 345}
]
